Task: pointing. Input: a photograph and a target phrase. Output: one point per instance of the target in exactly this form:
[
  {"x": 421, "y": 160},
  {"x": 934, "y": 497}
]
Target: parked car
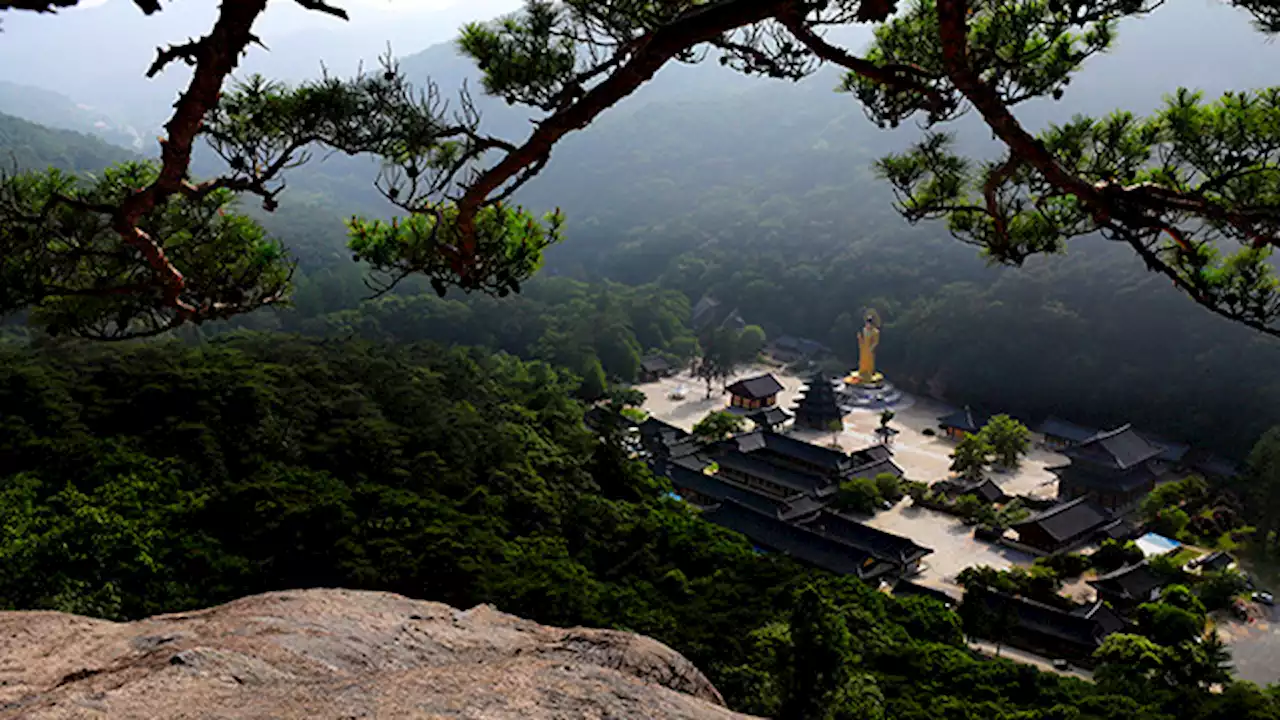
[
  {"x": 678, "y": 393},
  {"x": 1061, "y": 664},
  {"x": 1264, "y": 597}
]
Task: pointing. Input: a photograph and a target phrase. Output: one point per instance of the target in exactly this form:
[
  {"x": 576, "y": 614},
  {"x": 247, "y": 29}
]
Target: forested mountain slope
[
  {"x": 760, "y": 192},
  {"x": 25, "y": 145}
]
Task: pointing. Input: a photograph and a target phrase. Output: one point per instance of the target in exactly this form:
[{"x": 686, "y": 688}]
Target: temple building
[
  {"x": 769, "y": 532},
  {"x": 653, "y": 367},
  {"x": 1129, "y": 586},
  {"x": 1116, "y": 468},
  {"x": 1063, "y": 527},
  {"x": 903, "y": 553},
  {"x": 963, "y": 422},
  {"x": 780, "y": 466},
  {"x": 1047, "y": 630},
  {"x": 872, "y": 461},
  {"x": 985, "y": 490},
  {"x": 818, "y": 405},
  {"x": 770, "y": 419},
  {"x": 788, "y": 348},
  {"x": 1059, "y": 434},
  {"x": 755, "y": 393},
  {"x": 1172, "y": 454},
  {"x": 1211, "y": 466}
]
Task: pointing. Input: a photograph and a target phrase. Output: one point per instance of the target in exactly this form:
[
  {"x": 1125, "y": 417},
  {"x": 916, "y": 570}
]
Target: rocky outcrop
[{"x": 336, "y": 654}]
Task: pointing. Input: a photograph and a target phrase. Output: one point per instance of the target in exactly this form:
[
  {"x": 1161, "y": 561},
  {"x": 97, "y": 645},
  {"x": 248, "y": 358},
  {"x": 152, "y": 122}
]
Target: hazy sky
[{"x": 97, "y": 53}]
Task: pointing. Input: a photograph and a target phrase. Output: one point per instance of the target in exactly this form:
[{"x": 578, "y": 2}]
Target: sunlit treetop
[{"x": 1191, "y": 189}]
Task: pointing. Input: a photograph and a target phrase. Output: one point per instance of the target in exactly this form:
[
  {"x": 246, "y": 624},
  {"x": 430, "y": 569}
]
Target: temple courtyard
[{"x": 922, "y": 457}]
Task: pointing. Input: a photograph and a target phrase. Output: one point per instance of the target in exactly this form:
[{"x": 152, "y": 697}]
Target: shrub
[
  {"x": 1167, "y": 567},
  {"x": 1113, "y": 554},
  {"x": 1218, "y": 589},
  {"x": 1065, "y": 565},
  {"x": 860, "y": 495},
  {"x": 918, "y": 491},
  {"x": 968, "y": 506},
  {"x": 1171, "y": 522},
  {"x": 890, "y": 487}
]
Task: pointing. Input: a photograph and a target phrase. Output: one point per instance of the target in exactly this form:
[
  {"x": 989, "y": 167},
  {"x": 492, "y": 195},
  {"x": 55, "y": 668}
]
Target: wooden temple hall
[
  {"x": 776, "y": 490},
  {"x": 1116, "y": 468},
  {"x": 754, "y": 393}
]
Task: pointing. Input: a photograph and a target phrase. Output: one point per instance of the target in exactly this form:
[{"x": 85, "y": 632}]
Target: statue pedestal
[
  {"x": 855, "y": 379},
  {"x": 876, "y": 395}
]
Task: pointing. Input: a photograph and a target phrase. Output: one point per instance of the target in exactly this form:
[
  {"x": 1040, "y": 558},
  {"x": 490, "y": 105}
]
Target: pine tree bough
[{"x": 1178, "y": 187}]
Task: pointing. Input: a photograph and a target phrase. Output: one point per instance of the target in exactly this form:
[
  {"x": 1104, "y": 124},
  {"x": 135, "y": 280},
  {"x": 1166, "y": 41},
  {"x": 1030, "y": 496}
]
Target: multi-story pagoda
[{"x": 818, "y": 406}]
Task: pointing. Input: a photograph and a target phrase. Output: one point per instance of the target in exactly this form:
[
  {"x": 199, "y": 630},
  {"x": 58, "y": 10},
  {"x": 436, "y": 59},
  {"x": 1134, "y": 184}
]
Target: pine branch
[
  {"x": 187, "y": 52},
  {"x": 900, "y": 77},
  {"x": 705, "y": 23}
]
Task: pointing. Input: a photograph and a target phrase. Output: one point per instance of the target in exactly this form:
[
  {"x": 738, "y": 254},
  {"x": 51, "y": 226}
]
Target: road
[{"x": 1027, "y": 658}]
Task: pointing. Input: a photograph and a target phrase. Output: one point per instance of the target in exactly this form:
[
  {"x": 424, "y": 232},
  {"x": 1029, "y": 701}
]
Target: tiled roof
[
  {"x": 801, "y": 345},
  {"x": 803, "y": 545},
  {"x": 1211, "y": 464},
  {"x": 870, "y": 454},
  {"x": 790, "y": 447},
  {"x": 906, "y": 587},
  {"x": 878, "y": 467},
  {"x": 770, "y": 416},
  {"x": 1059, "y": 428},
  {"x": 989, "y": 492},
  {"x": 1119, "y": 530},
  {"x": 654, "y": 364},
  {"x": 877, "y": 542},
  {"x": 968, "y": 420},
  {"x": 652, "y": 427},
  {"x": 1086, "y": 627},
  {"x": 683, "y": 478},
  {"x": 756, "y": 388},
  {"x": 1170, "y": 451},
  {"x": 1214, "y": 561},
  {"x": 802, "y": 507},
  {"x": 1118, "y": 449},
  {"x": 1068, "y": 520},
  {"x": 1133, "y": 582},
  {"x": 1100, "y": 478},
  {"x": 790, "y": 479}
]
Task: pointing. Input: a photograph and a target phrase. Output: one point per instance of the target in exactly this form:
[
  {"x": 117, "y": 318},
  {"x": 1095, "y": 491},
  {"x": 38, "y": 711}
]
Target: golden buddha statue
[{"x": 868, "y": 339}]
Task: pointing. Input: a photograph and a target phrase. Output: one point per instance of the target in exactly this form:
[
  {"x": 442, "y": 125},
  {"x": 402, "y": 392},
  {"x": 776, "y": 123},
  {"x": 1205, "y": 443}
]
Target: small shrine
[{"x": 755, "y": 393}]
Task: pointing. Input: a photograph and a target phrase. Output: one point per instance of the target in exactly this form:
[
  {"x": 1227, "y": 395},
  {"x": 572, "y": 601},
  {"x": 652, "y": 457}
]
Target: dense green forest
[{"x": 165, "y": 476}]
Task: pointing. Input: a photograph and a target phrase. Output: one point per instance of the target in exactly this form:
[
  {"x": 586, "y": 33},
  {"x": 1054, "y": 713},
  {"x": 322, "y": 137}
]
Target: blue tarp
[{"x": 1152, "y": 545}]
